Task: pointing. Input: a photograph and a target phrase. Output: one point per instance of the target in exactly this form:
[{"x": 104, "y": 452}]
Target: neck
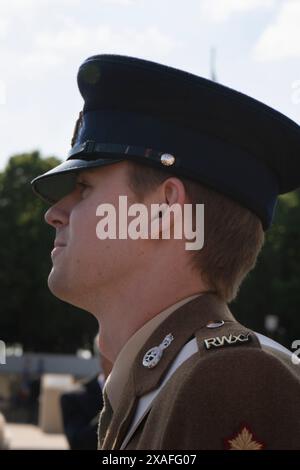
[{"x": 121, "y": 315}]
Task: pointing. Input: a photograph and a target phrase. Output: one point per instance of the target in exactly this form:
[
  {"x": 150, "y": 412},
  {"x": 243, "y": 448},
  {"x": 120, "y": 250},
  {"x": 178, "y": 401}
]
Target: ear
[
  {"x": 174, "y": 191},
  {"x": 172, "y": 194}
]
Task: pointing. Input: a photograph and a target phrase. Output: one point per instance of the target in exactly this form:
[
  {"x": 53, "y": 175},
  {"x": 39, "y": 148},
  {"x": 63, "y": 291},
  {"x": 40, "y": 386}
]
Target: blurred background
[{"x": 250, "y": 45}]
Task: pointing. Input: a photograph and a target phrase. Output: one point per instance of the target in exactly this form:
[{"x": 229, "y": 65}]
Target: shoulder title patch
[{"x": 229, "y": 340}]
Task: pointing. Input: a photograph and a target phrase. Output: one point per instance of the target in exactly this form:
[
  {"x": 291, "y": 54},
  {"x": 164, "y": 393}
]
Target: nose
[{"x": 56, "y": 216}]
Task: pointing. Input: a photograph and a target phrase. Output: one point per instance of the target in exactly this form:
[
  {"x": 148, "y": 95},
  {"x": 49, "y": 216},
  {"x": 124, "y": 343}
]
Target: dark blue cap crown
[{"x": 140, "y": 110}]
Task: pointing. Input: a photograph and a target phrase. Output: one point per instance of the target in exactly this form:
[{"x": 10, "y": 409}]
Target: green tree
[{"x": 273, "y": 288}]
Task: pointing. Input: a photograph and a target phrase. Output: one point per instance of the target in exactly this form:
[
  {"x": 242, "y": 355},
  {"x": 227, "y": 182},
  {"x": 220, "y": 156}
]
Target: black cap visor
[{"x": 61, "y": 180}]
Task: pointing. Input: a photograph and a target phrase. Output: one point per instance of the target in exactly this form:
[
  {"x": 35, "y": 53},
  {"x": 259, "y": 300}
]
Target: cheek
[
  {"x": 92, "y": 254},
  {"x": 82, "y": 230}
]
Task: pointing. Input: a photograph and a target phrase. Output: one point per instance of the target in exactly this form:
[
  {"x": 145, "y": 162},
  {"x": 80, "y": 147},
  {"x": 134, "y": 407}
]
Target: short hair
[{"x": 233, "y": 235}]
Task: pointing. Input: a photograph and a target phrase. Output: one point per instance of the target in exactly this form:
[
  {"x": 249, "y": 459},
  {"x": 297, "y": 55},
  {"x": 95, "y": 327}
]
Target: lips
[
  {"x": 56, "y": 250},
  {"x": 58, "y": 243},
  {"x": 58, "y": 246}
]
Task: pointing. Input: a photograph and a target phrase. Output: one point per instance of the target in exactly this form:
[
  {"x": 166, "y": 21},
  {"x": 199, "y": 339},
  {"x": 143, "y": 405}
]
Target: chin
[
  {"x": 56, "y": 287},
  {"x": 64, "y": 291}
]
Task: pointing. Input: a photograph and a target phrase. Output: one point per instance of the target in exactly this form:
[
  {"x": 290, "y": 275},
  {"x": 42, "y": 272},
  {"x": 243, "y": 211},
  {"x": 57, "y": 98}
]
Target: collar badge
[{"x": 154, "y": 355}]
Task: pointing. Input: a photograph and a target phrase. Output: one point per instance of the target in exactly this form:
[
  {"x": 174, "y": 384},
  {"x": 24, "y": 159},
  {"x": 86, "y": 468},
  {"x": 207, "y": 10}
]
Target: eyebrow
[{"x": 85, "y": 172}]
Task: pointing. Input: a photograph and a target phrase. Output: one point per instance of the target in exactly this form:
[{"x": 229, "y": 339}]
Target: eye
[{"x": 82, "y": 186}]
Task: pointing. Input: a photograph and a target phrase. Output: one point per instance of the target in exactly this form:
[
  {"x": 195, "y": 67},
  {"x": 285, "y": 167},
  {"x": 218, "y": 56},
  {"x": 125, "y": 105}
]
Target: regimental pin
[
  {"x": 230, "y": 340},
  {"x": 153, "y": 356}
]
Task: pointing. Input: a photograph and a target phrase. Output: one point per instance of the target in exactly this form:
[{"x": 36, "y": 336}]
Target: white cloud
[
  {"x": 149, "y": 41},
  {"x": 17, "y": 5},
  {"x": 23, "y": 6},
  {"x": 52, "y": 48},
  {"x": 4, "y": 24},
  {"x": 281, "y": 39},
  {"x": 221, "y": 10},
  {"x": 29, "y": 12},
  {"x": 71, "y": 36},
  {"x": 39, "y": 60},
  {"x": 2, "y": 92},
  {"x": 121, "y": 2}
]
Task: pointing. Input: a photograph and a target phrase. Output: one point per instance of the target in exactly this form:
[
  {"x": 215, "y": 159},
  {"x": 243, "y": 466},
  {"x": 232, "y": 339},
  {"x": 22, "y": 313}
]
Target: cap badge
[{"x": 153, "y": 356}]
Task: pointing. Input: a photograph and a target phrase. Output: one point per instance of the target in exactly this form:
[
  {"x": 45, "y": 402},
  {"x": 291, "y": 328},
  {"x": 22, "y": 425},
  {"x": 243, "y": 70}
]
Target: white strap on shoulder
[
  {"x": 145, "y": 402},
  {"x": 265, "y": 341}
]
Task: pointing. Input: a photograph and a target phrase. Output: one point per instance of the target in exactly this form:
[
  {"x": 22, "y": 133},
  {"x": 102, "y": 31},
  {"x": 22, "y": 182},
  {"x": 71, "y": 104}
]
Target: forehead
[
  {"x": 88, "y": 172},
  {"x": 92, "y": 174},
  {"x": 115, "y": 170}
]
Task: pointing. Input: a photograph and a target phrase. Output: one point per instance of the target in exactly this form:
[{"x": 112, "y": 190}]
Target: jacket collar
[
  {"x": 118, "y": 377},
  {"x": 183, "y": 324}
]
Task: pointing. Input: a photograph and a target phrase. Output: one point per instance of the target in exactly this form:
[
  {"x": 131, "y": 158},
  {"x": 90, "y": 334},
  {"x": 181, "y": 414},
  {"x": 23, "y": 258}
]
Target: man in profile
[{"x": 186, "y": 374}]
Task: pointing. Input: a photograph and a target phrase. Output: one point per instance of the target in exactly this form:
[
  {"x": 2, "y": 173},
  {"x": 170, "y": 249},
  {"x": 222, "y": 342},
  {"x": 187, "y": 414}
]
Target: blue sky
[{"x": 43, "y": 42}]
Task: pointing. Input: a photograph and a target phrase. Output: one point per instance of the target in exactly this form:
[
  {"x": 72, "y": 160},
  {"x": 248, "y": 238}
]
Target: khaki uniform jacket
[{"x": 235, "y": 396}]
